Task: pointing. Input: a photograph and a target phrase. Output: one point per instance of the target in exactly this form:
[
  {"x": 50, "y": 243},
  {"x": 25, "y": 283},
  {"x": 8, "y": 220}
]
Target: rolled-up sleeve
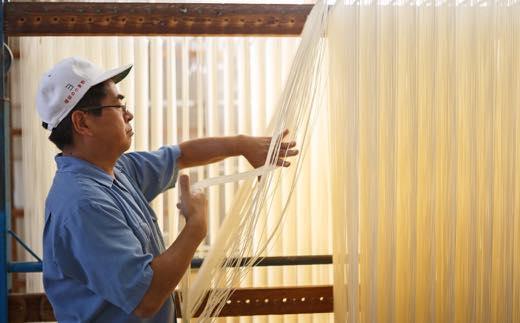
[
  {"x": 99, "y": 249},
  {"x": 154, "y": 172}
]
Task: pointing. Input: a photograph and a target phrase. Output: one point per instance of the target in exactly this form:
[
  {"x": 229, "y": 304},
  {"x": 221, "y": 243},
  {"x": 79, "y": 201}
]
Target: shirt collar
[{"x": 84, "y": 168}]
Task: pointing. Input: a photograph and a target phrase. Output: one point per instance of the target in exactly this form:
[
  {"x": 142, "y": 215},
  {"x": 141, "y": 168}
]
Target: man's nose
[{"x": 129, "y": 116}]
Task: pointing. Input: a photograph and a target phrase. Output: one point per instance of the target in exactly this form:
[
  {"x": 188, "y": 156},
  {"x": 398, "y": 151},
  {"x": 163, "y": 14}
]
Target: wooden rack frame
[
  {"x": 244, "y": 301},
  {"x": 125, "y": 19}
]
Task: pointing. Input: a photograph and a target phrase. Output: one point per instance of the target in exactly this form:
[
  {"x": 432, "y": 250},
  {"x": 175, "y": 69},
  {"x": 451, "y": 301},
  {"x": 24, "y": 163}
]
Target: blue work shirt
[{"x": 101, "y": 235}]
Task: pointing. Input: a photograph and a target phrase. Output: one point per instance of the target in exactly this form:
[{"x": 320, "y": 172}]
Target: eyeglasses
[{"x": 99, "y": 107}]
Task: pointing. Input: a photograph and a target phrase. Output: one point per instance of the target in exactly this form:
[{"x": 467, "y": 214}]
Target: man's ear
[{"x": 80, "y": 123}]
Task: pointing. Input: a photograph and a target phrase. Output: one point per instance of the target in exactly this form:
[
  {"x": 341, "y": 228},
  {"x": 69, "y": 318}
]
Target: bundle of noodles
[{"x": 233, "y": 252}]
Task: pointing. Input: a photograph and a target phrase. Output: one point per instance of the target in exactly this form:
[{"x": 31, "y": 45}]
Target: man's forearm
[
  {"x": 168, "y": 269},
  {"x": 205, "y": 151}
]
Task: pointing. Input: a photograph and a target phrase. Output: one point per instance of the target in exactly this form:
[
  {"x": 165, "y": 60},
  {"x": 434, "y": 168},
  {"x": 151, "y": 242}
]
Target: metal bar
[
  {"x": 277, "y": 261},
  {"x": 95, "y": 18},
  {"x": 26, "y": 247},
  {"x": 24, "y": 267},
  {"x": 29, "y": 267}
]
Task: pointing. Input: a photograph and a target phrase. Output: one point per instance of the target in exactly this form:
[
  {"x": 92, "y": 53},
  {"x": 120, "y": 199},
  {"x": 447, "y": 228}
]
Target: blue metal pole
[
  {"x": 5, "y": 196},
  {"x": 24, "y": 267},
  {"x": 24, "y": 245}
]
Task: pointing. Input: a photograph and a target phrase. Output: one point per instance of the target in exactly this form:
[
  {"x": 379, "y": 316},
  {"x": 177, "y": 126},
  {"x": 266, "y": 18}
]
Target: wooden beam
[
  {"x": 17, "y": 213},
  {"x": 126, "y": 19},
  {"x": 16, "y": 131},
  {"x": 29, "y": 308},
  {"x": 243, "y": 302},
  {"x": 275, "y": 301}
]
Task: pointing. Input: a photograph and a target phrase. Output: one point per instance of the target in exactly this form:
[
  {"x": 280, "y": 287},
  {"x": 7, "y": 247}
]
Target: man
[{"x": 104, "y": 256}]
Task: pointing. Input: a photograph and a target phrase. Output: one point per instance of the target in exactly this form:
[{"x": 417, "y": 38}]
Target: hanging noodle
[{"x": 222, "y": 268}]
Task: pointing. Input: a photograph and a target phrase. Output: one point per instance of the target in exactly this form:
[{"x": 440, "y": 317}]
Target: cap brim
[{"x": 116, "y": 74}]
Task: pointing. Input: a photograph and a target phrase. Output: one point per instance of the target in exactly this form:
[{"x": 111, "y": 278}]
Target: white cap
[{"x": 62, "y": 87}]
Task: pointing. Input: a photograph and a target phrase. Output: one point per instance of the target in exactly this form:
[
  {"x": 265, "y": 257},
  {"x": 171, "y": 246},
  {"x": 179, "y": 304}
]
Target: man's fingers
[
  {"x": 287, "y": 145},
  {"x": 283, "y": 163},
  {"x": 291, "y": 152},
  {"x": 288, "y": 153},
  {"x": 282, "y": 135},
  {"x": 184, "y": 182}
]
